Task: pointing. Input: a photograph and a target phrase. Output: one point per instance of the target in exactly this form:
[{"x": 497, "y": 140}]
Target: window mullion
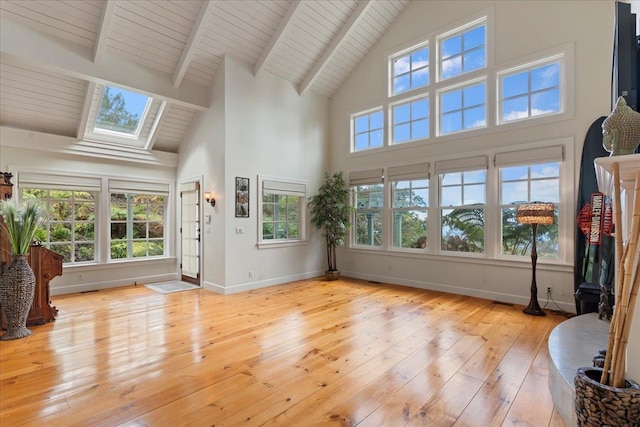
[{"x": 129, "y": 228}]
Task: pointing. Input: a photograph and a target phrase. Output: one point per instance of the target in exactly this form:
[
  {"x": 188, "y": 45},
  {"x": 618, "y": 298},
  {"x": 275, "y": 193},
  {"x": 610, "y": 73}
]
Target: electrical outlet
[{"x": 548, "y": 290}]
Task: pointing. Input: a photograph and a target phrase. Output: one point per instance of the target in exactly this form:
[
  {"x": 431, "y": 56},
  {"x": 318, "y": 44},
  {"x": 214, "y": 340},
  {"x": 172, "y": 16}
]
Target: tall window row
[
  {"x": 73, "y": 206},
  {"x": 446, "y": 210},
  {"x": 458, "y": 95}
]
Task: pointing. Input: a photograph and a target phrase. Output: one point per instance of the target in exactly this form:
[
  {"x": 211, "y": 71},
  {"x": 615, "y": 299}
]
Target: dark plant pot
[
  {"x": 597, "y": 404},
  {"x": 16, "y": 296},
  {"x": 332, "y": 275}
]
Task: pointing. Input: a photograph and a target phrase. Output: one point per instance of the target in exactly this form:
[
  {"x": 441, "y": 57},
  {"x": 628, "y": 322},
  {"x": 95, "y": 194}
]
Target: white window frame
[
  {"x": 367, "y": 178},
  {"x": 130, "y": 221},
  {"x": 461, "y": 30},
  {"x": 287, "y": 187},
  {"x": 141, "y": 121},
  {"x": 353, "y": 119},
  {"x": 404, "y": 53},
  {"x": 408, "y": 173},
  {"x": 527, "y": 158},
  {"x": 138, "y": 188},
  {"x": 462, "y": 165},
  {"x": 41, "y": 180},
  {"x": 462, "y": 86},
  {"x": 564, "y": 55},
  {"x": 73, "y": 242},
  {"x": 154, "y": 109},
  {"x": 409, "y": 101}
]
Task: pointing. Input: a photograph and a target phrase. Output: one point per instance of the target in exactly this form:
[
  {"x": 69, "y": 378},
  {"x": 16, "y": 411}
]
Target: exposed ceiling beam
[
  {"x": 286, "y": 21},
  {"x": 335, "y": 44},
  {"x": 192, "y": 42},
  {"x": 23, "y": 45},
  {"x": 103, "y": 32},
  {"x": 86, "y": 107},
  {"x": 153, "y": 133}
]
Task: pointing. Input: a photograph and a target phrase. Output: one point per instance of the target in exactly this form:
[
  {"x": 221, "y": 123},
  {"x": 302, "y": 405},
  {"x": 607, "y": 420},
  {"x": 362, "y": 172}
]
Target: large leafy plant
[
  {"x": 331, "y": 212},
  {"x": 21, "y": 224}
]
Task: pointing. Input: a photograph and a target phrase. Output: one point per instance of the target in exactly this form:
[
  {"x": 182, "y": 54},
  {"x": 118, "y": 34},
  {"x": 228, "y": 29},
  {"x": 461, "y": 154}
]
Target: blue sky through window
[
  {"x": 463, "y": 53},
  {"x": 411, "y": 121},
  {"x": 120, "y": 110},
  {"x": 530, "y": 93},
  {"x": 463, "y": 108},
  {"x": 368, "y": 131},
  {"x": 411, "y": 71},
  {"x": 530, "y": 183}
]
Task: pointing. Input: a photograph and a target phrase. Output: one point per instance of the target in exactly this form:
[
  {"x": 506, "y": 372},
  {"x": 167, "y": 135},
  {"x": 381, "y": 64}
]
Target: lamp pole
[{"x": 534, "y": 307}]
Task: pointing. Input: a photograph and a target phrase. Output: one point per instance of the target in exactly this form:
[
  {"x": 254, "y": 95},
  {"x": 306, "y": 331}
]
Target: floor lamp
[{"x": 534, "y": 213}]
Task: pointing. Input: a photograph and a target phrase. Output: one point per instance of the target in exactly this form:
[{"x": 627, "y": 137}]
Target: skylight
[{"x": 121, "y": 112}]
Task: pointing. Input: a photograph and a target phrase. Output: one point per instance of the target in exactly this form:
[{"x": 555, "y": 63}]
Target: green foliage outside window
[
  {"x": 137, "y": 225},
  {"x": 280, "y": 216},
  {"x": 516, "y": 238},
  {"x": 113, "y": 114},
  {"x": 369, "y": 200},
  {"x": 410, "y": 203},
  {"x": 463, "y": 230},
  {"x": 69, "y": 228}
]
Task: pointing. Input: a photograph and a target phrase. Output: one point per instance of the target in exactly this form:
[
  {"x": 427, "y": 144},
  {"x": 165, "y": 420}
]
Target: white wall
[
  {"x": 521, "y": 29},
  {"x": 90, "y": 277},
  {"x": 202, "y": 156},
  {"x": 256, "y": 126}
]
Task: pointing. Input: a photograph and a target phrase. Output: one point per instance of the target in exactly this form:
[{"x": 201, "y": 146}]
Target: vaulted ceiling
[{"x": 56, "y": 55}]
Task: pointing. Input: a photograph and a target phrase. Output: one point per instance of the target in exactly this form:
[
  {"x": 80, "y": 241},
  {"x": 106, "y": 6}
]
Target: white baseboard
[
  {"x": 86, "y": 287},
  {"x": 227, "y": 290},
  {"x": 478, "y": 293}
]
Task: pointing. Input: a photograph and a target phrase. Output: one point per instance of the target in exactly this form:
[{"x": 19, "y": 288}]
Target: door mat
[{"x": 170, "y": 287}]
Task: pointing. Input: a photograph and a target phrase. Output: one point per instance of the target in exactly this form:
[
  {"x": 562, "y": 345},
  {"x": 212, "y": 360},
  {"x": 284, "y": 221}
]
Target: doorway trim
[{"x": 197, "y": 182}]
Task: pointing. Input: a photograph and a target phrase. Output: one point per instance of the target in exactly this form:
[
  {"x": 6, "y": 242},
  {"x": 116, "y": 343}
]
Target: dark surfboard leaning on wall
[{"x": 594, "y": 263}]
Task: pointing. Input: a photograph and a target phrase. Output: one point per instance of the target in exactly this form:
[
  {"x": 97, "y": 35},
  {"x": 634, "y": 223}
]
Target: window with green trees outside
[
  {"x": 137, "y": 225},
  {"x": 69, "y": 227}
]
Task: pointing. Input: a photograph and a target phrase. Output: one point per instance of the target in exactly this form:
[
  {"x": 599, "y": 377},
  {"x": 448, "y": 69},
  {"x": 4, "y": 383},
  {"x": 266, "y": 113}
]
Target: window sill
[
  {"x": 123, "y": 262},
  {"x": 283, "y": 244}
]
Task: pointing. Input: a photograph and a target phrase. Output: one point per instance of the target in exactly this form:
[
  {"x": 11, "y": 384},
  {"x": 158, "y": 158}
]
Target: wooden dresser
[{"x": 45, "y": 264}]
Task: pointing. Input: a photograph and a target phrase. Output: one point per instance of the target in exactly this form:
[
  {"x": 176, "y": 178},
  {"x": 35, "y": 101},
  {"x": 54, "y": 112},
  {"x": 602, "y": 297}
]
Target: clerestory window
[{"x": 530, "y": 91}]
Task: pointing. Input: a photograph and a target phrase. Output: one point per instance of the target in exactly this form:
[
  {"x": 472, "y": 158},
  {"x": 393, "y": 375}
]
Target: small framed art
[{"x": 242, "y": 197}]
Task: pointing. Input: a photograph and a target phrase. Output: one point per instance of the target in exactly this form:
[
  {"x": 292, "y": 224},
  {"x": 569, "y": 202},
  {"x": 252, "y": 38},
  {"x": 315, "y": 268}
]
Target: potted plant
[
  {"x": 18, "y": 282},
  {"x": 331, "y": 212}
]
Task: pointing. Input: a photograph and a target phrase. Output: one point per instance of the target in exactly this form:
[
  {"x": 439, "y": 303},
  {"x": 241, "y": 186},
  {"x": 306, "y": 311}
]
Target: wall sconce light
[{"x": 208, "y": 196}]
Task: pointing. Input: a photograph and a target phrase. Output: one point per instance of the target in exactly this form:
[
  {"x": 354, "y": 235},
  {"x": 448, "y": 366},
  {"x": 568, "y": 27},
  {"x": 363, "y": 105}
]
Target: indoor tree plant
[
  {"x": 331, "y": 212},
  {"x": 18, "y": 282}
]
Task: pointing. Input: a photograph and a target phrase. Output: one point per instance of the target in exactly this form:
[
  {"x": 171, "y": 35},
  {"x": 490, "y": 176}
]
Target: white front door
[{"x": 190, "y": 232}]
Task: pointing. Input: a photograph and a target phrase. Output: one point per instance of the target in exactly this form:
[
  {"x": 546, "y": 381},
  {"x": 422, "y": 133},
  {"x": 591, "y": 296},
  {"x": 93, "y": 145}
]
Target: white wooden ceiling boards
[{"x": 54, "y": 53}]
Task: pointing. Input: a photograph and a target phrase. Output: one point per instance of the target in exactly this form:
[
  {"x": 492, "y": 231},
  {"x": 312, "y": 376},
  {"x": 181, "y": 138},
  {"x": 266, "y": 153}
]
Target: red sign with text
[{"x": 596, "y": 218}]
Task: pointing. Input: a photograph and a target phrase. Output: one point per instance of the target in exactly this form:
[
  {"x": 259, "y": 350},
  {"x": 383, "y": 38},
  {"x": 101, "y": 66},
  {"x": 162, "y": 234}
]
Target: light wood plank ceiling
[{"x": 56, "y": 55}]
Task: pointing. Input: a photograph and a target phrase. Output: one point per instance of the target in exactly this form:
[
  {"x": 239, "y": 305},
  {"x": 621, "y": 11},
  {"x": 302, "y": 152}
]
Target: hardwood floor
[{"x": 308, "y": 353}]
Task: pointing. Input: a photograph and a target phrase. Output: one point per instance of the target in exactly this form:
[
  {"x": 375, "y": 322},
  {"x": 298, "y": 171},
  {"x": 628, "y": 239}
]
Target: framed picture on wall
[{"x": 242, "y": 197}]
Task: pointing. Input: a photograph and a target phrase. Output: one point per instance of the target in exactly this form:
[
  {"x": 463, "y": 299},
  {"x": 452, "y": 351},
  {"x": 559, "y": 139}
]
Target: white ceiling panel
[
  {"x": 239, "y": 28},
  {"x": 175, "y": 48},
  {"x": 75, "y": 21},
  {"x": 40, "y": 100},
  {"x": 152, "y": 33},
  {"x": 317, "y": 23},
  {"x": 357, "y": 44},
  {"x": 174, "y": 126}
]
